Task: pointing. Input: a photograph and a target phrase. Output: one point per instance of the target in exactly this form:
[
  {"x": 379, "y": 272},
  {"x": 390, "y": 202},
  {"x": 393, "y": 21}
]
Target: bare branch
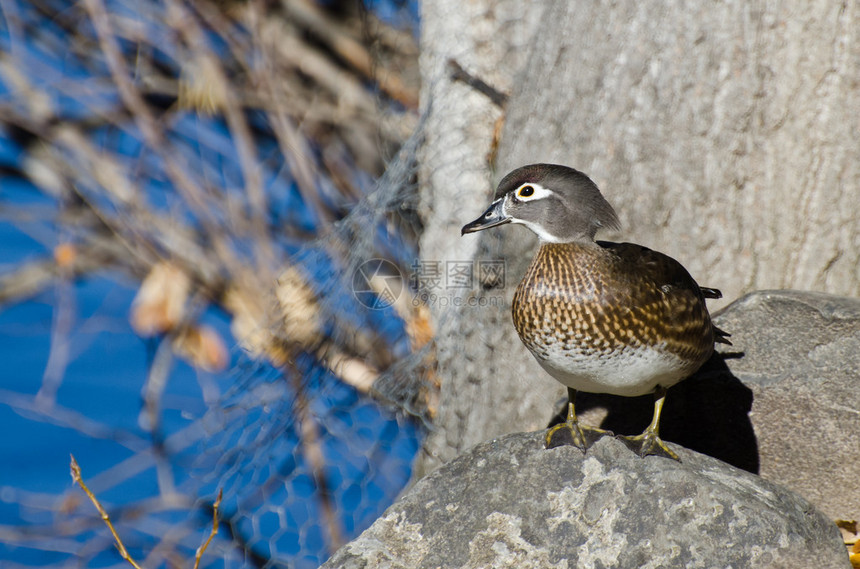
[
  {"x": 216, "y": 518},
  {"x": 77, "y": 479}
]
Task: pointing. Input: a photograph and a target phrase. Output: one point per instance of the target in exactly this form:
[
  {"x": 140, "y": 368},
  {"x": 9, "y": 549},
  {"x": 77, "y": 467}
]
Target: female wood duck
[{"x": 599, "y": 317}]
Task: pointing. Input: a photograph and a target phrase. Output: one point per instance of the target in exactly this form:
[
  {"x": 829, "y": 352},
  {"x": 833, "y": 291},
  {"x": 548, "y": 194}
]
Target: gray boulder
[
  {"x": 799, "y": 354},
  {"x": 511, "y": 503}
]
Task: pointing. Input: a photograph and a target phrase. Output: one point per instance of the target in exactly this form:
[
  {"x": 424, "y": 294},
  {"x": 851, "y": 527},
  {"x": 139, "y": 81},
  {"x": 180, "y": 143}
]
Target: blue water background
[{"x": 368, "y": 448}]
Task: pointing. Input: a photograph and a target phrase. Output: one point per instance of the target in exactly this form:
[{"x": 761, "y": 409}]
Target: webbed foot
[
  {"x": 571, "y": 433},
  {"x": 647, "y": 443}
]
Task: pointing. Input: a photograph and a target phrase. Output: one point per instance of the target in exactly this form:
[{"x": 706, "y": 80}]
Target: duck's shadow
[{"x": 708, "y": 413}]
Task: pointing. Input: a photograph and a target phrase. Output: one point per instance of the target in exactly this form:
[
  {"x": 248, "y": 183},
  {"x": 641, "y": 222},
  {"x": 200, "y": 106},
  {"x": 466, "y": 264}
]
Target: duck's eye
[{"x": 526, "y": 192}]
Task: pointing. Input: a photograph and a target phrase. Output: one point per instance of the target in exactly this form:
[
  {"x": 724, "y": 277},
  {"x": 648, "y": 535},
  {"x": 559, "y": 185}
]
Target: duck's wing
[{"x": 662, "y": 273}]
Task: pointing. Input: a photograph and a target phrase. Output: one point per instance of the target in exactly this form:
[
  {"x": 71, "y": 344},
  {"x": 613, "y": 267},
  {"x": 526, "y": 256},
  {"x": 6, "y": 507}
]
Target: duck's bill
[{"x": 490, "y": 218}]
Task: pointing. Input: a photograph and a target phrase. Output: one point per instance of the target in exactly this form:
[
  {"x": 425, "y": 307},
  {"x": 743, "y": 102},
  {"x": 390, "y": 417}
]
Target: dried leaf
[
  {"x": 250, "y": 325},
  {"x": 299, "y": 309},
  {"x": 351, "y": 370},
  {"x": 847, "y": 525},
  {"x": 202, "y": 347},
  {"x": 160, "y": 302}
]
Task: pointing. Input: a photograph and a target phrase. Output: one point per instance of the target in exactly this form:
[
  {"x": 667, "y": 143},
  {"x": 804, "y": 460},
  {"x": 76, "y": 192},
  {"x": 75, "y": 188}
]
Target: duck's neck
[
  {"x": 555, "y": 259},
  {"x": 567, "y": 248}
]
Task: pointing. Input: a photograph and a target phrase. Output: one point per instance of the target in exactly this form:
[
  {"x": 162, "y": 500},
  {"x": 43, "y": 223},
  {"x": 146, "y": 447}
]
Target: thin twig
[
  {"x": 76, "y": 478},
  {"x": 215, "y": 521}
]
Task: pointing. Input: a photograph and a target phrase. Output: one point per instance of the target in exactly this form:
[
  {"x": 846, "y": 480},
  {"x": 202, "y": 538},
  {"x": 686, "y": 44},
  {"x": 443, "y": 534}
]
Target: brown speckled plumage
[{"x": 605, "y": 298}]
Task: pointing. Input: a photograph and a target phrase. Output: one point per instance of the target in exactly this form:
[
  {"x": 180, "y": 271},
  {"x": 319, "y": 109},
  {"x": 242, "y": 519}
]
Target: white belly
[{"x": 629, "y": 372}]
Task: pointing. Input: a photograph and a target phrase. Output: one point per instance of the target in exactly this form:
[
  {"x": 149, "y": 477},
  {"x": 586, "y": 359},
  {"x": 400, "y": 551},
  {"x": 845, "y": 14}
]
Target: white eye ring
[{"x": 530, "y": 191}]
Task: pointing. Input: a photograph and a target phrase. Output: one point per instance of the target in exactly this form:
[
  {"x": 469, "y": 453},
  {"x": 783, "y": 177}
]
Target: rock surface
[
  {"x": 801, "y": 360},
  {"x": 511, "y": 503}
]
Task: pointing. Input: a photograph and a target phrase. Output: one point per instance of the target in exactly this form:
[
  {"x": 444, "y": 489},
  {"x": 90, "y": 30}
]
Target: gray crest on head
[{"x": 574, "y": 212}]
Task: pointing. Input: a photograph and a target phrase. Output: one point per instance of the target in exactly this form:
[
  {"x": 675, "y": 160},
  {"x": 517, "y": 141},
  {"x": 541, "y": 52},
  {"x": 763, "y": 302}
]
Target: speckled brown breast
[{"x": 583, "y": 308}]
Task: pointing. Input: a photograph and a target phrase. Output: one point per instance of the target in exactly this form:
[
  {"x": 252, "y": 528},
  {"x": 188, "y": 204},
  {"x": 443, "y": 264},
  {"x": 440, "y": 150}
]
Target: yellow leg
[
  {"x": 571, "y": 432},
  {"x": 649, "y": 442}
]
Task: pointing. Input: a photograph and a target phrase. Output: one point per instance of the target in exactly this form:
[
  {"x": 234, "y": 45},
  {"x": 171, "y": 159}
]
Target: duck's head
[{"x": 559, "y": 204}]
